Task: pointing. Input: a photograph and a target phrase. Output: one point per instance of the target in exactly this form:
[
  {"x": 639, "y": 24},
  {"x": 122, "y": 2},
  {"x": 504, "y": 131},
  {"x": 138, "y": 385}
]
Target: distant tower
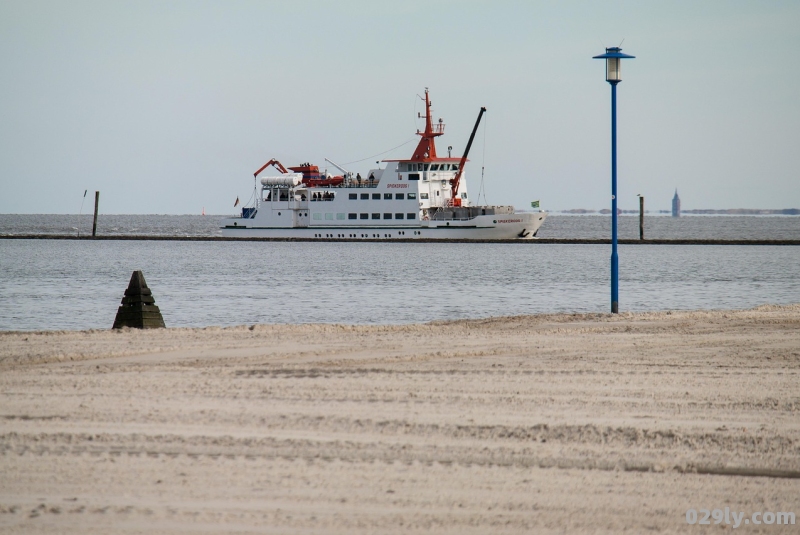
[{"x": 676, "y": 205}]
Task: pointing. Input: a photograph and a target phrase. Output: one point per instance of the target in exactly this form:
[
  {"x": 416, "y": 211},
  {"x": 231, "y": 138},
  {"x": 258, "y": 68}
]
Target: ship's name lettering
[
  {"x": 509, "y": 220},
  {"x": 396, "y": 185}
]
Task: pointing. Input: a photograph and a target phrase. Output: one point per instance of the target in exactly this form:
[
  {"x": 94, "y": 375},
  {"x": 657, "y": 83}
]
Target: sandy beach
[{"x": 586, "y": 423}]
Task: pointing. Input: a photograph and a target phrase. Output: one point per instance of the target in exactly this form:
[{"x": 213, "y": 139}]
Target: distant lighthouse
[{"x": 676, "y": 205}]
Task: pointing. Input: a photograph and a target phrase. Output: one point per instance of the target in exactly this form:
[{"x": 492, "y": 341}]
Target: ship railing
[
  {"x": 364, "y": 184},
  {"x": 353, "y": 184},
  {"x": 452, "y": 219},
  {"x": 440, "y": 216}
]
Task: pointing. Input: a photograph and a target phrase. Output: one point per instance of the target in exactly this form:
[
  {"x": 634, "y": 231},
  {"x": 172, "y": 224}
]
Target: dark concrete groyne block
[{"x": 138, "y": 308}]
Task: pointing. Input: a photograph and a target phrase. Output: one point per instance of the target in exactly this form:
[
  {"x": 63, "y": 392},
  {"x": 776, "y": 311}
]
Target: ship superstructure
[{"x": 424, "y": 196}]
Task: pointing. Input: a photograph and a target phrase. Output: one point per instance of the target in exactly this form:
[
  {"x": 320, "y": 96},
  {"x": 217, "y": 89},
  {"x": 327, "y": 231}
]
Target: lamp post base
[{"x": 614, "y": 307}]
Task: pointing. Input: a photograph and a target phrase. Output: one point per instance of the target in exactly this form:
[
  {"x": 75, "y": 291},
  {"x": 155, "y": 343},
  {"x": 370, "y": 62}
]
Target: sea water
[{"x": 70, "y": 284}]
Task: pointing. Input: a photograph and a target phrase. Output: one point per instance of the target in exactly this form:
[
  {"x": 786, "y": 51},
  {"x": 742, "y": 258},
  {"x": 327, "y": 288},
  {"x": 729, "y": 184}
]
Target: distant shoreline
[{"x": 704, "y": 211}]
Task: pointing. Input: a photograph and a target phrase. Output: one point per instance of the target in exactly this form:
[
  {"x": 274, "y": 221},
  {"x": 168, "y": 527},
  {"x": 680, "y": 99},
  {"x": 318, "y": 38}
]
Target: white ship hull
[{"x": 488, "y": 227}]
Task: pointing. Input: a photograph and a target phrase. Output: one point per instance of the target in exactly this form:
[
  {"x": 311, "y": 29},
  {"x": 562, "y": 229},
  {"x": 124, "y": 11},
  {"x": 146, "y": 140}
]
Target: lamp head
[{"x": 613, "y": 57}]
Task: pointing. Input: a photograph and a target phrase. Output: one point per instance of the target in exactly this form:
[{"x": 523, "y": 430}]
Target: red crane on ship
[{"x": 278, "y": 165}]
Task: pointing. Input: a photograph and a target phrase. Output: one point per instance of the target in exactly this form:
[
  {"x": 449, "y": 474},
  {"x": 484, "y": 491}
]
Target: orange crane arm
[{"x": 278, "y": 165}]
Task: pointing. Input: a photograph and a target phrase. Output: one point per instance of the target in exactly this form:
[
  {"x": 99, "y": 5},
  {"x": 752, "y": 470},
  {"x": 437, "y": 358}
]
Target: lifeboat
[{"x": 313, "y": 178}]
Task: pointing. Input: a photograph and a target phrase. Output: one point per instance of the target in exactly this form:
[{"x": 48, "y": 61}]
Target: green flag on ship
[{"x": 534, "y": 204}]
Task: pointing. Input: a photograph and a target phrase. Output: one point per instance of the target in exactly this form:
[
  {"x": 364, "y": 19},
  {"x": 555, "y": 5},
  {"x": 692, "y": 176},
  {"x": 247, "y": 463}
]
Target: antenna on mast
[{"x": 426, "y": 149}]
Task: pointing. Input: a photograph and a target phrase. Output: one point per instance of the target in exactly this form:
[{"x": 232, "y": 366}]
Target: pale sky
[{"x": 169, "y": 107}]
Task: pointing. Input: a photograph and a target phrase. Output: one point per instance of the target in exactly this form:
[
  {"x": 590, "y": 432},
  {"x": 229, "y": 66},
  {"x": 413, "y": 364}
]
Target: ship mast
[{"x": 426, "y": 150}]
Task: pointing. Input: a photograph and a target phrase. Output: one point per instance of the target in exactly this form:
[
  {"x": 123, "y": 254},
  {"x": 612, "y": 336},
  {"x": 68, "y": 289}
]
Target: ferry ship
[{"x": 423, "y": 197}]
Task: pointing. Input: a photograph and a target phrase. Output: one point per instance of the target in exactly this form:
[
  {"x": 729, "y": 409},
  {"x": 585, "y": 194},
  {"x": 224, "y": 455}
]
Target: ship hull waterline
[{"x": 520, "y": 226}]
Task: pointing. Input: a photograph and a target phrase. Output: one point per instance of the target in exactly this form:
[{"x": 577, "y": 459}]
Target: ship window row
[
  {"x": 386, "y": 196},
  {"x": 377, "y": 215},
  {"x": 328, "y": 216},
  {"x": 428, "y": 167}
]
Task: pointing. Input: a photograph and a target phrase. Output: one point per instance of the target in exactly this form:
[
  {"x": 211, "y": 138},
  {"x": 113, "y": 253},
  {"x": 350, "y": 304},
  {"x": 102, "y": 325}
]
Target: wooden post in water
[
  {"x": 96, "y": 202},
  {"x": 641, "y": 217}
]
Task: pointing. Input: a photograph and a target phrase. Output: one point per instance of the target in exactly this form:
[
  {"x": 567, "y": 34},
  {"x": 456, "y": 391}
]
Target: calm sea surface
[{"x": 55, "y": 284}]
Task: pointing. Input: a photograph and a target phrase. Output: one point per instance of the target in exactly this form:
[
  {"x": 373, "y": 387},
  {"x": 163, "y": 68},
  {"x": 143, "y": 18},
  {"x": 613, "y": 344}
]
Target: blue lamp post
[{"x": 613, "y": 57}]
